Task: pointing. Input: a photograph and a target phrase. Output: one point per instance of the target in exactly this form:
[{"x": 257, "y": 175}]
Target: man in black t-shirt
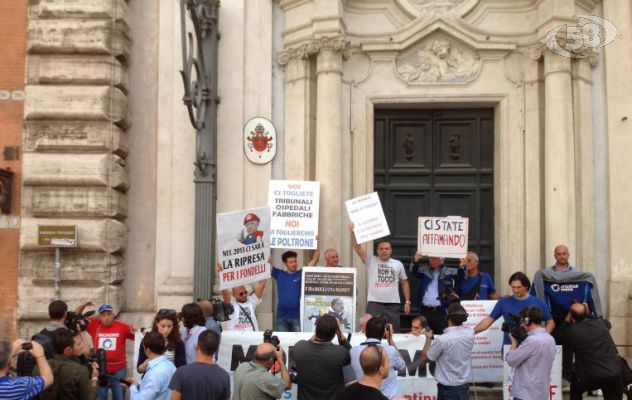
[
  {"x": 375, "y": 365},
  {"x": 202, "y": 379}
]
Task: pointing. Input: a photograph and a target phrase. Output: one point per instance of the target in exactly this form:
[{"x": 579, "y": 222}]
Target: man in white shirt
[
  {"x": 452, "y": 352},
  {"x": 384, "y": 275},
  {"x": 244, "y": 318}
]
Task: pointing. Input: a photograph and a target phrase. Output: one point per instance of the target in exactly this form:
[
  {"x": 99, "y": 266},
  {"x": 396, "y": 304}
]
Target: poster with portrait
[
  {"x": 243, "y": 242},
  {"x": 294, "y": 214},
  {"x": 330, "y": 291}
]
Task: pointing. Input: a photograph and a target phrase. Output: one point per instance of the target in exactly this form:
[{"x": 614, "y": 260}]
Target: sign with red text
[
  {"x": 555, "y": 389},
  {"x": 487, "y": 358},
  {"x": 294, "y": 214},
  {"x": 443, "y": 236},
  {"x": 243, "y": 243},
  {"x": 367, "y": 216}
]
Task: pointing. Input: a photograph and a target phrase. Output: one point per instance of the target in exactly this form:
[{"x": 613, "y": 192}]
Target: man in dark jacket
[
  {"x": 72, "y": 380},
  {"x": 597, "y": 364}
]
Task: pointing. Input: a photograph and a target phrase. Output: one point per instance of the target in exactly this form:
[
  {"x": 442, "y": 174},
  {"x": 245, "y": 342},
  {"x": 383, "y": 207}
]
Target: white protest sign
[
  {"x": 294, "y": 212},
  {"x": 443, "y": 236},
  {"x": 243, "y": 241},
  {"x": 416, "y": 381},
  {"x": 367, "y": 216},
  {"x": 555, "y": 389},
  {"x": 487, "y": 359},
  {"x": 330, "y": 291}
]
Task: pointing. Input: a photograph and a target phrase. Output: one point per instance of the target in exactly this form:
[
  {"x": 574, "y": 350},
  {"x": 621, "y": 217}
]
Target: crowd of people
[{"x": 178, "y": 357}]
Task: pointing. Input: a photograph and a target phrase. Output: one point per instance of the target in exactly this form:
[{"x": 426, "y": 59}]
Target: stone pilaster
[
  {"x": 329, "y": 132},
  {"x": 76, "y": 114}
]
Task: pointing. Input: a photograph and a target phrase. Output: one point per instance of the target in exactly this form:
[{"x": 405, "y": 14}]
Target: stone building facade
[{"x": 108, "y": 146}]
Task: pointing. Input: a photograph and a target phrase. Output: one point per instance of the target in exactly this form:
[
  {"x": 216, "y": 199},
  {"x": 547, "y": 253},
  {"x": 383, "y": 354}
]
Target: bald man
[
  {"x": 561, "y": 255},
  {"x": 597, "y": 364},
  {"x": 253, "y": 381},
  {"x": 375, "y": 365}
]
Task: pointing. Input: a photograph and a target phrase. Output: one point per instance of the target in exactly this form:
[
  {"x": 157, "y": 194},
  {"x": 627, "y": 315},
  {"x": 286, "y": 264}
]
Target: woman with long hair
[
  {"x": 166, "y": 323},
  {"x": 194, "y": 324}
]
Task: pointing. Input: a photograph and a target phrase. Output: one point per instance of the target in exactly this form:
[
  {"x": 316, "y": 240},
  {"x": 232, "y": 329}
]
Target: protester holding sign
[
  {"x": 473, "y": 284},
  {"x": 384, "y": 275},
  {"x": 289, "y": 292},
  {"x": 510, "y": 307},
  {"x": 436, "y": 290},
  {"x": 243, "y": 318}
]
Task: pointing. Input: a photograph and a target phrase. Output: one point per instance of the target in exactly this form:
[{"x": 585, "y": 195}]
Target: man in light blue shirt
[
  {"x": 376, "y": 329},
  {"x": 155, "y": 382}
]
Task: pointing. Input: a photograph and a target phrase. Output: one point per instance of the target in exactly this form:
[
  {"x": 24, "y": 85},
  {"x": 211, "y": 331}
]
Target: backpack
[{"x": 26, "y": 362}]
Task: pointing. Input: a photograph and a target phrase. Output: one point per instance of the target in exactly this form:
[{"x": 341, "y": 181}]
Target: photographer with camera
[
  {"x": 452, "y": 352},
  {"x": 253, "y": 381},
  {"x": 210, "y": 313},
  {"x": 73, "y": 380},
  {"x": 436, "y": 290},
  {"x": 531, "y": 360},
  {"x": 508, "y": 307},
  {"x": 110, "y": 336},
  {"x": 23, "y": 387},
  {"x": 155, "y": 382},
  {"x": 597, "y": 362},
  {"x": 319, "y": 362},
  {"x": 376, "y": 330}
]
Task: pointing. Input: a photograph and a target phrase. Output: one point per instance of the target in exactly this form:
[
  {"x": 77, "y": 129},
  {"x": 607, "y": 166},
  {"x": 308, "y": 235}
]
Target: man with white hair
[
  {"x": 435, "y": 280},
  {"x": 473, "y": 284}
]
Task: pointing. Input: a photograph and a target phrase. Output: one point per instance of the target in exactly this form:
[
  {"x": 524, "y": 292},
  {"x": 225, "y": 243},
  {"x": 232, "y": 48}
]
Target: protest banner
[
  {"x": 243, "y": 241},
  {"x": 416, "y": 381},
  {"x": 555, "y": 390},
  {"x": 443, "y": 236},
  {"x": 367, "y": 216},
  {"x": 487, "y": 359},
  {"x": 328, "y": 291},
  {"x": 294, "y": 214}
]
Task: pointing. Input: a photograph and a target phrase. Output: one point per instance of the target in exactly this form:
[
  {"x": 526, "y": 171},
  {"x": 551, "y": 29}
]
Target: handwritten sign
[
  {"x": 243, "y": 239},
  {"x": 368, "y": 218},
  {"x": 443, "y": 236},
  {"x": 294, "y": 211}
]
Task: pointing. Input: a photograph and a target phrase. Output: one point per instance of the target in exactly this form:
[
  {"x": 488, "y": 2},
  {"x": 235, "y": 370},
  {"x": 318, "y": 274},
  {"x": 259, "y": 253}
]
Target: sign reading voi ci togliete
[{"x": 294, "y": 214}]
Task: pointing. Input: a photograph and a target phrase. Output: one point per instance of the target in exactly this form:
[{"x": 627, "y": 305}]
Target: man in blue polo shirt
[
  {"x": 289, "y": 292},
  {"x": 472, "y": 284},
  {"x": 508, "y": 306}
]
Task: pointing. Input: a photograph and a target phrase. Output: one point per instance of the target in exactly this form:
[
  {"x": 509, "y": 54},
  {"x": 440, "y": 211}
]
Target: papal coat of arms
[{"x": 259, "y": 140}]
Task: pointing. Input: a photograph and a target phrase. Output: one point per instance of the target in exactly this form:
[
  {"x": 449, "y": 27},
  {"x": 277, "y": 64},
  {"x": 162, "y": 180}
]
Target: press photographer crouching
[
  {"x": 23, "y": 387},
  {"x": 597, "y": 364},
  {"x": 73, "y": 379},
  {"x": 253, "y": 380},
  {"x": 532, "y": 360}
]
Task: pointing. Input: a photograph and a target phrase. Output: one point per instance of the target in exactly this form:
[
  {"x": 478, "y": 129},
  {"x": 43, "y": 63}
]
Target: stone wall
[{"x": 76, "y": 114}]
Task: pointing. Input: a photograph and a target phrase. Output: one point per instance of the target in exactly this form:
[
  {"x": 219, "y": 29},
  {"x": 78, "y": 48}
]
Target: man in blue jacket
[{"x": 435, "y": 280}]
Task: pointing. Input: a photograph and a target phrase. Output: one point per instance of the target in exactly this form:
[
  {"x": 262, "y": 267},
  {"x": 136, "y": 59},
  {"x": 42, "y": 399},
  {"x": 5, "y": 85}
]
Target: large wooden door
[{"x": 436, "y": 163}]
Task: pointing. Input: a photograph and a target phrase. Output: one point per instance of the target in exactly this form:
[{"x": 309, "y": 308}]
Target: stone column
[
  {"x": 559, "y": 155},
  {"x": 329, "y": 138}
]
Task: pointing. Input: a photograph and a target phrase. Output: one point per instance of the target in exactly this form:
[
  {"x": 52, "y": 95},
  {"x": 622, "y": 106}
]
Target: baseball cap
[
  {"x": 251, "y": 217},
  {"x": 105, "y": 307}
]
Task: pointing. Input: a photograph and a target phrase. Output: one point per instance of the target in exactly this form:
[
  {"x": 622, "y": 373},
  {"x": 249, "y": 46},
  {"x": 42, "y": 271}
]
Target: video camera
[
  {"x": 446, "y": 291},
  {"x": 268, "y": 337},
  {"x": 221, "y": 310},
  {"x": 513, "y": 327},
  {"x": 76, "y": 322}
]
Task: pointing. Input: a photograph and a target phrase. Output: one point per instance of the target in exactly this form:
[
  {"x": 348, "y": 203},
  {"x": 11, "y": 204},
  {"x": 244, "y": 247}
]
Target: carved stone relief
[{"x": 438, "y": 60}]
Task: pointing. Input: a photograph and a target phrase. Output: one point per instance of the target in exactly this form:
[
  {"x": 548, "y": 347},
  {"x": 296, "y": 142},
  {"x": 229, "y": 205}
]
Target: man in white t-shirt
[
  {"x": 384, "y": 276},
  {"x": 244, "y": 318}
]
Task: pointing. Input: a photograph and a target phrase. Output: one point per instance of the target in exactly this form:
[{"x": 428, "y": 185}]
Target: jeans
[
  {"x": 118, "y": 390},
  {"x": 288, "y": 325},
  {"x": 461, "y": 392}
]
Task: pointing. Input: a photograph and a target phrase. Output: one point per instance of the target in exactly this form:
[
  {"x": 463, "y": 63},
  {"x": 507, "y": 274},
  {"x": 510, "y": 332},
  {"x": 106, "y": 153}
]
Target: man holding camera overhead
[
  {"x": 436, "y": 290},
  {"x": 23, "y": 387}
]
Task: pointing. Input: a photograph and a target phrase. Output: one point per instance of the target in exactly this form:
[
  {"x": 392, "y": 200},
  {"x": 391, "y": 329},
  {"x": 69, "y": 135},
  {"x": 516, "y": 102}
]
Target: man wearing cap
[
  {"x": 452, "y": 352},
  {"x": 251, "y": 223},
  {"x": 110, "y": 335}
]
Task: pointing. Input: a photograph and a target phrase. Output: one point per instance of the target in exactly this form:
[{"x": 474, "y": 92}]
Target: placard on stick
[
  {"x": 294, "y": 211},
  {"x": 443, "y": 236},
  {"x": 368, "y": 218},
  {"x": 243, "y": 241}
]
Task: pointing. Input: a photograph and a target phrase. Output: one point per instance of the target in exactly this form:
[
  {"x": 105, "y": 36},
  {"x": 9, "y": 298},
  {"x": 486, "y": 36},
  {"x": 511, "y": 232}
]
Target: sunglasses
[{"x": 240, "y": 293}]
